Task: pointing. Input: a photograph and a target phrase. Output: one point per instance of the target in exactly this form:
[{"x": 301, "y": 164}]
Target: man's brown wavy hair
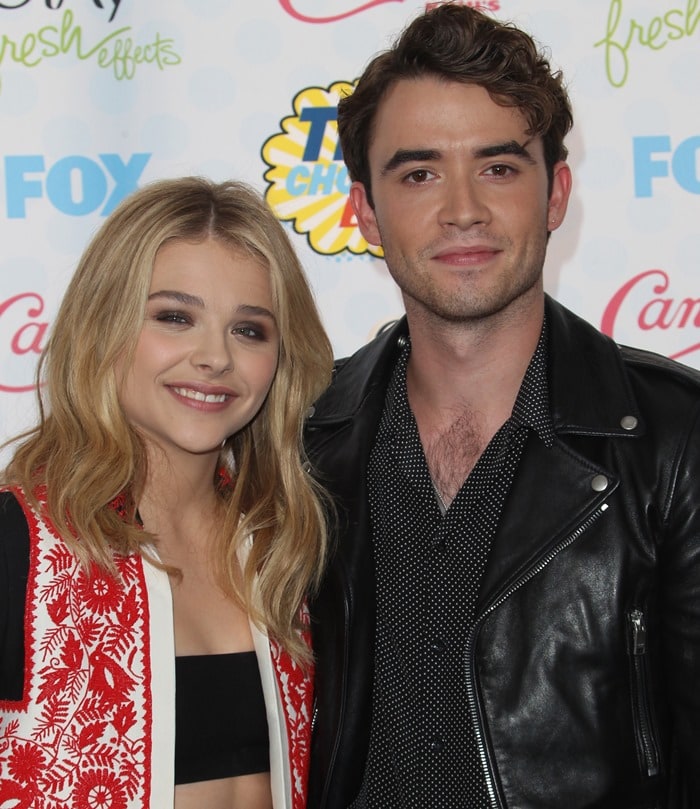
[{"x": 457, "y": 43}]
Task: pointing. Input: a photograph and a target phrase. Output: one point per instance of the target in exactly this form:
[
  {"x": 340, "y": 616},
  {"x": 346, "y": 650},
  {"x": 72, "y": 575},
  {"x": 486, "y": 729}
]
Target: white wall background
[{"x": 100, "y": 96}]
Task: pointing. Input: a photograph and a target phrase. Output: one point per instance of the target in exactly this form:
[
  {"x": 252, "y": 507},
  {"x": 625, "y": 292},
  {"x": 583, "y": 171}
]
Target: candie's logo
[
  {"x": 23, "y": 330},
  {"x": 308, "y": 181},
  {"x": 645, "y": 301}
]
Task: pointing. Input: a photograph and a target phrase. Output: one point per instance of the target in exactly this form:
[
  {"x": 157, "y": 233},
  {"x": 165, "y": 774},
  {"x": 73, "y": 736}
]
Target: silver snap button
[
  {"x": 628, "y": 422},
  {"x": 599, "y": 483},
  {"x": 310, "y": 412}
]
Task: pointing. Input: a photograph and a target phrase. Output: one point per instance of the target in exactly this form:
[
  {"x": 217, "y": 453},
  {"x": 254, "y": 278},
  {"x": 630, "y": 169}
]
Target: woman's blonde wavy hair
[{"x": 84, "y": 453}]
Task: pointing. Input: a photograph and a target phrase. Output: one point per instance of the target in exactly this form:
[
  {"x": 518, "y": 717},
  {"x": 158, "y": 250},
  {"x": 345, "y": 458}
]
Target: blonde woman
[{"x": 159, "y": 531}]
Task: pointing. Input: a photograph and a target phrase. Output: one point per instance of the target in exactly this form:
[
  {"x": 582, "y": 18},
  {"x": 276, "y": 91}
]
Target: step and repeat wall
[{"x": 98, "y": 97}]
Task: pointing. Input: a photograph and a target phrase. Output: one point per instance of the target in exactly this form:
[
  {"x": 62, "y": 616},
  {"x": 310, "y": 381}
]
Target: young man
[{"x": 512, "y": 615}]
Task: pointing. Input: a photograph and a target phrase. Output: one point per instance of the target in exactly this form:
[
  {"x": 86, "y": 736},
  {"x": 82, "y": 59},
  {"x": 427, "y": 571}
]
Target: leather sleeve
[
  {"x": 680, "y": 605},
  {"x": 14, "y": 570}
]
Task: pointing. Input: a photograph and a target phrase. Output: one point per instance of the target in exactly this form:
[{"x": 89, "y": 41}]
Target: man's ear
[
  {"x": 559, "y": 195},
  {"x": 364, "y": 212}
]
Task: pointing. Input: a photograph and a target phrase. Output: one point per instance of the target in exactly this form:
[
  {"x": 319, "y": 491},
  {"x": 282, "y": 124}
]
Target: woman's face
[{"x": 207, "y": 352}]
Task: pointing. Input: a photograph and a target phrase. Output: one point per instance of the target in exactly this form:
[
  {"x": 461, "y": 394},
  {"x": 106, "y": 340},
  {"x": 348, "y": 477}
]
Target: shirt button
[
  {"x": 438, "y": 645},
  {"x": 436, "y": 745}
]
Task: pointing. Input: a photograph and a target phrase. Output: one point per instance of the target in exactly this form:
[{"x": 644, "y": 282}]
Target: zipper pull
[{"x": 639, "y": 632}]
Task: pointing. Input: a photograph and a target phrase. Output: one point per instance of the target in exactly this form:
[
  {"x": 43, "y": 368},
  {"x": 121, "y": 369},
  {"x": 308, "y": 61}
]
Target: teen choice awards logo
[{"x": 308, "y": 181}]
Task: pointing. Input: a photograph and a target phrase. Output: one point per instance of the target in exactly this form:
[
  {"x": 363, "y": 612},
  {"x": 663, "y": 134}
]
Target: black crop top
[{"x": 220, "y": 720}]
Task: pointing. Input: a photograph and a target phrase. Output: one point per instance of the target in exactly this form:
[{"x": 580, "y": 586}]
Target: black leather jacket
[{"x": 584, "y": 665}]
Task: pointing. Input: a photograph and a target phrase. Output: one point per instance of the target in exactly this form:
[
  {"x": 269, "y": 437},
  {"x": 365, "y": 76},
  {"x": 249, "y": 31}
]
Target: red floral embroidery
[
  {"x": 81, "y": 736},
  {"x": 100, "y": 591},
  {"x": 296, "y": 691},
  {"x": 99, "y": 789},
  {"x": 25, "y": 763}
]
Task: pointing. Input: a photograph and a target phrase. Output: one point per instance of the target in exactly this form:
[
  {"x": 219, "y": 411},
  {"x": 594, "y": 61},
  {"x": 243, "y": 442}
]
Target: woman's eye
[
  {"x": 250, "y": 332},
  {"x": 173, "y": 317}
]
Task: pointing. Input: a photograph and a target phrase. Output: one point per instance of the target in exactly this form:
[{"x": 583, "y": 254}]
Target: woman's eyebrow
[{"x": 180, "y": 297}]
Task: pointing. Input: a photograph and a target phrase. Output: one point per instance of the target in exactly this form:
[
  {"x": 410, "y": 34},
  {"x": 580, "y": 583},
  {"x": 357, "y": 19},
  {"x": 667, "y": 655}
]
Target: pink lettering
[
  {"x": 28, "y": 338},
  {"x": 36, "y": 333},
  {"x": 288, "y": 6},
  {"x": 659, "y": 312}
]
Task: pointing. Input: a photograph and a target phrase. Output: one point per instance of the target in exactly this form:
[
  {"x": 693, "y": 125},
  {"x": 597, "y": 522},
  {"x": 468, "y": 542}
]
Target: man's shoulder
[
  {"x": 662, "y": 385},
  {"x": 585, "y": 336},
  {"x": 385, "y": 340},
  {"x": 661, "y": 368},
  {"x": 359, "y": 375},
  {"x": 595, "y": 382}
]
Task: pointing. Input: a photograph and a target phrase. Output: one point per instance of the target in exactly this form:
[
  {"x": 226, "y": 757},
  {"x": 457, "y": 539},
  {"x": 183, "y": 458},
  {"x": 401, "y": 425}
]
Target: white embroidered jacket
[{"x": 96, "y": 724}]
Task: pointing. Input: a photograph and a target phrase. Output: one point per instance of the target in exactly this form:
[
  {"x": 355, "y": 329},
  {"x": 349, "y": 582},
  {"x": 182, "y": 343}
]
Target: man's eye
[
  {"x": 500, "y": 171},
  {"x": 418, "y": 176}
]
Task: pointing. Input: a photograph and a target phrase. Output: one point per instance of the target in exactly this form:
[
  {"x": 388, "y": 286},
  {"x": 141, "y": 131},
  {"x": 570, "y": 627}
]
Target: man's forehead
[{"x": 432, "y": 114}]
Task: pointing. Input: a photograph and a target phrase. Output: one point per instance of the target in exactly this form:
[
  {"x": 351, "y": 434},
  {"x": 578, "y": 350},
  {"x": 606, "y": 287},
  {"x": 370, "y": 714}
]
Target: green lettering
[
  {"x": 50, "y": 46},
  {"x": 677, "y": 31},
  {"x": 655, "y": 28},
  {"x": 116, "y": 50},
  {"x": 612, "y": 47},
  {"x": 654, "y": 35}
]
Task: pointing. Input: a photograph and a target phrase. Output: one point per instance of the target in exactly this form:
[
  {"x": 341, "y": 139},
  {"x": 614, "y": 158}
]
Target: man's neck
[{"x": 471, "y": 368}]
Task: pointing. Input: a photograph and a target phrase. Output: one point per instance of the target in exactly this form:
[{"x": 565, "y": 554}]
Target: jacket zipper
[
  {"x": 494, "y": 798},
  {"x": 646, "y": 743}
]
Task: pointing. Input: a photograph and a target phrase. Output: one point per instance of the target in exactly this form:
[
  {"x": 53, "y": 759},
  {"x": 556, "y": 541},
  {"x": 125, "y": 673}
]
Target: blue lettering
[
  {"x": 322, "y": 178},
  {"x": 297, "y": 181},
  {"x": 342, "y": 181},
  {"x": 74, "y": 185},
  {"x": 683, "y": 163},
  {"x": 319, "y": 118},
  {"x": 17, "y": 187},
  {"x": 87, "y": 175},
  {"x": 125, "y": 175},
  {"x": 685, "y": 166},
  {"x": 645, "y": 167}
]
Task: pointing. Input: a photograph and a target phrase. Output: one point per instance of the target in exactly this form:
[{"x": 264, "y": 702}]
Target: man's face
[{"x": 461, "y": 206}]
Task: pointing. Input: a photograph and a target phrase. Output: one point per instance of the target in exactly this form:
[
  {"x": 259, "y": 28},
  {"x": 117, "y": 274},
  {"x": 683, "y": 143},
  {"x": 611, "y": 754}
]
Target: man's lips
[{"x": 466, "y": 256}]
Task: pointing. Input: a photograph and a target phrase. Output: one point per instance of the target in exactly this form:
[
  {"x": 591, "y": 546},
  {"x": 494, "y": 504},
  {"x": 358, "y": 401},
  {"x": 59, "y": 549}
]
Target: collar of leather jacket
[{"x": 589, "y": 389}]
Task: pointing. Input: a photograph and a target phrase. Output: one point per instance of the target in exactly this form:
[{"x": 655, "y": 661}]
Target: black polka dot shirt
[{"x": 429, "y": 565}]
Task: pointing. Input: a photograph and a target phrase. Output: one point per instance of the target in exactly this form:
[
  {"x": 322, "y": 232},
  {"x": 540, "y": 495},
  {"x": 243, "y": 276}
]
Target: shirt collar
[{"x": 531, "y": 408}]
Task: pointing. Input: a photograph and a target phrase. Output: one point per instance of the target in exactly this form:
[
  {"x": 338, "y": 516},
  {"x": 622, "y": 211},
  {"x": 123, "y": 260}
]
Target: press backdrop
[{"x": 98, "y": 97}]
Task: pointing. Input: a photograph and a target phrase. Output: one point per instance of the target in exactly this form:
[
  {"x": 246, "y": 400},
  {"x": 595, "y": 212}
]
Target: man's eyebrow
[
  {"x": 402, "y": 156},
  {"x": 509, "y": 147}
]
